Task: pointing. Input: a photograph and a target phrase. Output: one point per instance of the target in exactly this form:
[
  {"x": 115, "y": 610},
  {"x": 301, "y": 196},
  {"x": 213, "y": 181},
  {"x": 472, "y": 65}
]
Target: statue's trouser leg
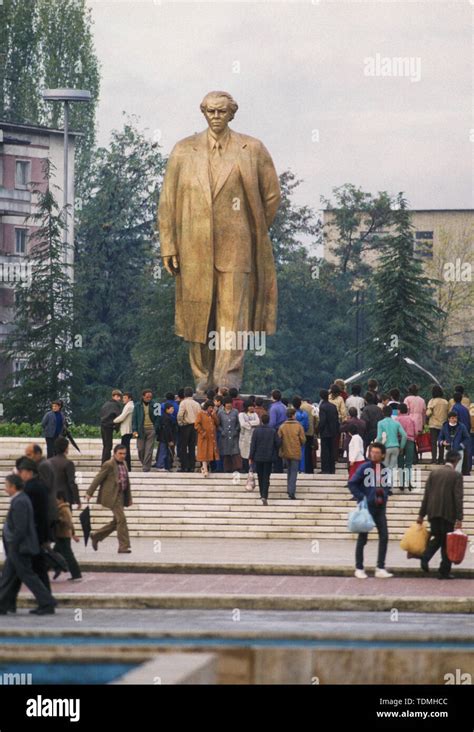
[
  {"x": 202, "y": 359},
  {"x": 232, "y": 317}
]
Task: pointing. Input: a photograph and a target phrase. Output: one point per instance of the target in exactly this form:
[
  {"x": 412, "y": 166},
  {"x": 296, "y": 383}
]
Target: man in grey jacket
[
  {"x": 21, "y": 545},
  {"x": 443, "y": 504}
]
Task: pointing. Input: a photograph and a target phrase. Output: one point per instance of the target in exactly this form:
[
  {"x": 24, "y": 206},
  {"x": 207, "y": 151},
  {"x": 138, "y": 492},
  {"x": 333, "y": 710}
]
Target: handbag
[
  {"x": 415, "y": 540},
  {"x": 360, "y": 520},
  {"x": 456, "y": 543},
  {"x": 54, "y": 560},
  {"x": 423, "y": 442},
  {"x": 250, "y": 484}
]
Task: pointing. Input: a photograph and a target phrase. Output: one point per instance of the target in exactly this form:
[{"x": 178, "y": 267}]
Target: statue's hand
[{"x": 171, "y": 264}]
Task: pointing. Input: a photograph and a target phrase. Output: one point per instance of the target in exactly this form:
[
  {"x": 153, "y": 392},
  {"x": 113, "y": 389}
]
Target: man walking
[
  {"x": 21, "y": 545},
  {"x": 65, "y": 473},
  {"x": 328, "y": 430},
  {"x": 114, "y": 493},
  {"x": 145, "y": 420},
  {"x": 188, "y": 411},
  {"x": 372, "y": 481},
  {"x": 264, "y": 445},
  {"x": 46, "y": 475},
  {"x": 292, "y": 436},
  {"x": 110, "y": 409},
  {"x": 277, "y": 413},
  {"x": 443, "y": 504},
  {"x": 37, "y": 492},
  {"x": 124, "y": 419},
  {"x": 391, "y": 434}
]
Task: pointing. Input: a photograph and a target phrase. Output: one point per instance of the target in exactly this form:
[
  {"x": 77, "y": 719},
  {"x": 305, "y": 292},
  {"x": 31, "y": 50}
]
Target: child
[
  {"x": 64, "y": 534},
  {"x": 355, "y": 450},
  {"x": 167, "y": 437}
]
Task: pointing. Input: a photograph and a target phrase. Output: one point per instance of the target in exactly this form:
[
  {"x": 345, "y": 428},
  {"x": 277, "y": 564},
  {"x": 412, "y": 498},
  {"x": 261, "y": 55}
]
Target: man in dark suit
[
  {"x": 443, "y": 504},
  {"x": 64, "y": 472},
  {"x": 37, "y": 492},
  {"x": 46, "y": 475},
  {"x": 21, "y": 546},
  {"x": 328, "y": 430}
]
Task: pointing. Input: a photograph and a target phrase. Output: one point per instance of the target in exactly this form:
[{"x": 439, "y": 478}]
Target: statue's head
[{"x": 219, "y": 109}]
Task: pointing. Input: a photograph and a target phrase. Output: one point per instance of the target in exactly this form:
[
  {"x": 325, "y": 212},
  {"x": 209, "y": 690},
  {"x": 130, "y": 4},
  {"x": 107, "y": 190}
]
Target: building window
[
  {"x": 22, "y": 174},
  {"x": 21, "y": 236},
  {"x": 18, "y": 365},
  {"x": 423, "y": 244}
]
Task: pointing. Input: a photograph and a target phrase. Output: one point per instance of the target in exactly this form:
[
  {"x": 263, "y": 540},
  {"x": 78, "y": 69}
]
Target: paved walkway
[
  {"x": 245, "y": 552},
  {"x": 130, "y": 584}
]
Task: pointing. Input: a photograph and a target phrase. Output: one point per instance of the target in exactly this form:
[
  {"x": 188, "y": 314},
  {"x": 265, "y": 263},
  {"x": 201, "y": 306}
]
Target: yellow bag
[{"x": 415, "y": 540}]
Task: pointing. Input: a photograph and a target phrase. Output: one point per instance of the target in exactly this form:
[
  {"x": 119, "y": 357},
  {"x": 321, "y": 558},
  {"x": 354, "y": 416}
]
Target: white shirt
[
  {"x": 355, "y": 450},
  {"x": 125, "y": 419},
  {"x": 355, "y": 401}
]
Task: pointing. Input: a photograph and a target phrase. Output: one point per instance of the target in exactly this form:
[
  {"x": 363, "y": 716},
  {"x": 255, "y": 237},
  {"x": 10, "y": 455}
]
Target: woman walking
[
  {"x": 206, "y": 427},
  {"x": 248, "y": 420},
  {"x": 229, "y": 437}
]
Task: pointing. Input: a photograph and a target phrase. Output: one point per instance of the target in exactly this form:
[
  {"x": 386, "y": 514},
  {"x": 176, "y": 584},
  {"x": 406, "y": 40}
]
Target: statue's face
[{"x": 217, "y": 113}]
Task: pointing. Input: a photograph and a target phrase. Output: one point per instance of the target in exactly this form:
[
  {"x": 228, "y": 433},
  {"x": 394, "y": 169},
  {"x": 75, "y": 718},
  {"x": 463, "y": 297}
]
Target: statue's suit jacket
[{"x": 186, "y": 224}]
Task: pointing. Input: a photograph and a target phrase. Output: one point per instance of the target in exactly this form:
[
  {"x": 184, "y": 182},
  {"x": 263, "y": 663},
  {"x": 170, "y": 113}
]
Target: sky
[{"x": 378, "y": 94}]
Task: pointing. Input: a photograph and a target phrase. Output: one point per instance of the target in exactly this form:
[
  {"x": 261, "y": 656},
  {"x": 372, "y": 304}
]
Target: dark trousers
[
  {"x": 187, "y": 448},
  {"x": 63, "y": 547},
  {"x": 308, "y": 454},
  {"x": 380, "y": 518},
  {"x": 107, "y": 434},
  {"x": 50, "y": 451},
  {"x": 40, "y": 566},
  {"x": 18, "y": 569},
  {"x": 328, "y": 457},
  {"x": 125, "y": 441},
  {"x": 466, "y": 460},
  {"x": 439, "y": 529},
  {"x": 164, "y": 456},
  {"x": 437, "y": 451},
  {"x": 278, "y": 465},
  {"x": 369, "y": 436},
  {"x": 263, "y": 470}
]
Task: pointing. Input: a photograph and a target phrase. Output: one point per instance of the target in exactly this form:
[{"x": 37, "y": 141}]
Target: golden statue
[{"x": 220, "y": 195}]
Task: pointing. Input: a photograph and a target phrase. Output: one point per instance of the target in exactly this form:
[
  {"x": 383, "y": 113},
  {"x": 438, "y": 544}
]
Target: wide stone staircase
[{"x": 188, "y": 505}]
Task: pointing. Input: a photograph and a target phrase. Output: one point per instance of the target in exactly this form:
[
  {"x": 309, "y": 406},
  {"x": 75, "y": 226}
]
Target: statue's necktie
[{"x": 216, "y": 159}]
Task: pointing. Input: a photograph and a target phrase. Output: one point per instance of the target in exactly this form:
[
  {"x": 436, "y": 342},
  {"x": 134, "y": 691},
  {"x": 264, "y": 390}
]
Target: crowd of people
[
  {"x": 375, "y": 434},
  {"x": 226, "y": 433}
]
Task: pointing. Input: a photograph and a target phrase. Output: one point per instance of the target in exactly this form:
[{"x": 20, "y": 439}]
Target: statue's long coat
[{"x": 185, "y": 225}]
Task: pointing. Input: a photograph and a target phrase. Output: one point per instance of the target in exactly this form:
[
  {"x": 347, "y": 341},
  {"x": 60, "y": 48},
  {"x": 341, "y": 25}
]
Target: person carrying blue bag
[{"x": 370, "y": 485}]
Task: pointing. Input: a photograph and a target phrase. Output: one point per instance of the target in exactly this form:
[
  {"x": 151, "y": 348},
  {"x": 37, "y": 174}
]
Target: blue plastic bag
[{"x": 360, "y": 520}]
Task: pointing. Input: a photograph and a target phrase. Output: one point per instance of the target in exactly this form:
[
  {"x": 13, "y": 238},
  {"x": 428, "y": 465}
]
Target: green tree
[
  {"x": 43, "y": 334},
  {"x": 355, "y": 224},
  {"x": 297, "y": 357},
  {"x": 49, "y": 44},
  {"x": 115, "y": 258},
  {"x": 404, "y": 313}
]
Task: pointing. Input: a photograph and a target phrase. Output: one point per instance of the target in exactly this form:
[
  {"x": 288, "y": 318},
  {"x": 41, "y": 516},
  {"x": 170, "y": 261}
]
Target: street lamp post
[{"x": 66, "y": 96}]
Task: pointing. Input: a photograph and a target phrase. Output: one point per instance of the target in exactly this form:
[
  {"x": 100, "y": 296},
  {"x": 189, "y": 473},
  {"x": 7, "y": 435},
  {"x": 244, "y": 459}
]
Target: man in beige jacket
[
  {"x": 114, "y": 493},
  {"x": 292, "y": 438}
]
